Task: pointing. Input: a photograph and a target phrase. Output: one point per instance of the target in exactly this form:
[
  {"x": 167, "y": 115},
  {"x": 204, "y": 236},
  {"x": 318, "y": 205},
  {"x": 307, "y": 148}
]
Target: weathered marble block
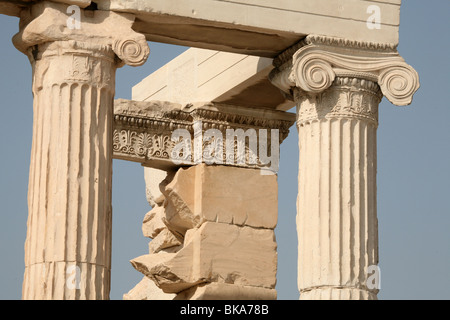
[
  {"x": 221, "y": 194},
  {"x": 215, "y": 252}
]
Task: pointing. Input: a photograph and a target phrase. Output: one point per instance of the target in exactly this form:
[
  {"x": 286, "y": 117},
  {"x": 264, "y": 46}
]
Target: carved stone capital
[
  {"x": 313, "y": 64},
  {"x": 46, "y": 22}
]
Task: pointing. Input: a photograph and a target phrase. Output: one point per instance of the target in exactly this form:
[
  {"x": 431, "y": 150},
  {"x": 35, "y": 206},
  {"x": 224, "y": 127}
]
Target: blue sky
[{"x": 413, "y": 171}]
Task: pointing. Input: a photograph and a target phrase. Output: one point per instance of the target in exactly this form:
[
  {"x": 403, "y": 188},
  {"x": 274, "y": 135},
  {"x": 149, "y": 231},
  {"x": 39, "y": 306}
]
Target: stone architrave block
[
  {"x": 215, "y": 252},
  {"x": 221, "y": 194}
]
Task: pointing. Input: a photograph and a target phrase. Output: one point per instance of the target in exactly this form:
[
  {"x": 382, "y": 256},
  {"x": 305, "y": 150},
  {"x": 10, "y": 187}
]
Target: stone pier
[
  {"x": 215, "y": 230},
  {"x": 212, "y": 222}
]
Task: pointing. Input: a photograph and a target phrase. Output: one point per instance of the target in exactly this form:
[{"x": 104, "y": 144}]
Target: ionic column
[
  {"x": 68, "y": 245},
  {"x": 336, "y": 221},
  {"x": 337, "y": 86}
]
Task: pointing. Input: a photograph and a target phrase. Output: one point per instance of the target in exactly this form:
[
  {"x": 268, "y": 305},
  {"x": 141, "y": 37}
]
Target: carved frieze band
[
  {"x": 318, "y": 60},
  {"x": 143, "y": 131}
]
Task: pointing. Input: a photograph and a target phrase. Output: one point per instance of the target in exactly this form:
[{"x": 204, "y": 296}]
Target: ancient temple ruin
[{"x": 207, "y": 128}]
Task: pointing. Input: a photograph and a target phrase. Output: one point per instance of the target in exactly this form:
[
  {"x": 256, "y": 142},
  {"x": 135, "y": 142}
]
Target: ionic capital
[
  {"x": 313, "y": 64},
  {"x": 47, "y": 22}
]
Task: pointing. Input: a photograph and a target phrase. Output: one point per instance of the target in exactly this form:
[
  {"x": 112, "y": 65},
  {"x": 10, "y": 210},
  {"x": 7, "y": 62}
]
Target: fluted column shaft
[
  {"x": 67, "y": 250},
  {"x": 336, "y": 218}
]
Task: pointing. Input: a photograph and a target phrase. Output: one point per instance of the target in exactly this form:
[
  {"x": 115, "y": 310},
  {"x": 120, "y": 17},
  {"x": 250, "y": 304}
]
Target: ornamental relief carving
[
  {"x": 346, "y": 98},
  {"x": 80, "y": 69},
  {"x": 89, "y": 69},
  {"x": 142, "y": 144},
  {"x": 143, "y": 132}
]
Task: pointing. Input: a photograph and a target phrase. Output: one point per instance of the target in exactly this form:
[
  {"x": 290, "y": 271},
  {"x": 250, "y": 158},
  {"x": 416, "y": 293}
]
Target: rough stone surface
[
  {"x": 153, "y": 222},
  {"x": 153, "y": 178},
  {"x": 215, "y": 252},
  {"x": 165, "y": 239}
]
